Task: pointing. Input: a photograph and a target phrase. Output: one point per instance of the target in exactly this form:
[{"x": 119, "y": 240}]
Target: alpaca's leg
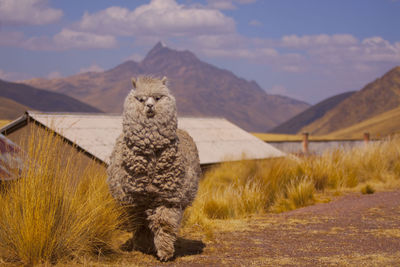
[
  {"x": 143, "y": 238},
  {"x": 164, "y": 223},
  {"x": 142, "y": 235}
]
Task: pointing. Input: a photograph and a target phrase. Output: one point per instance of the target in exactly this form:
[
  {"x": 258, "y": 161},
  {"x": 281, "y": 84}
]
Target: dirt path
[{"x": 352, "y": 230}]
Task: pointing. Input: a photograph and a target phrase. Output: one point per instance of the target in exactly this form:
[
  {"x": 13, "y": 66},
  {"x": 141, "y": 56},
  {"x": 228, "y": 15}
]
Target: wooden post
[
  {"x": 305, "y": 143},
  {"x": 366, "y": 138}
]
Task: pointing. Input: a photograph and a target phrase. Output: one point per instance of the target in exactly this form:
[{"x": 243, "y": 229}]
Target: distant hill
[
  {"x": 295, "y": 124},
  {"x": 199, "y": 88},
  {"x": 10, "y": 110},
  {"x": 375, "y": 98},
  {"x": 39, "y": 99},
  {"x": 378, "y": 126}
]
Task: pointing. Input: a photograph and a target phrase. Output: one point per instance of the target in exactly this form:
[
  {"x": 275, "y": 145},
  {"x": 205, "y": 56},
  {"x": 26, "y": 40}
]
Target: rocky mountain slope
[
  {"x": 30, "y": 97},
  {"x": 10, "y": 110},
  {"x": 200, "y": 89},
  {"x": 295, "y": 124},
  {"x": 379, "y": 126},
  {"x": 377, "y": 97}
]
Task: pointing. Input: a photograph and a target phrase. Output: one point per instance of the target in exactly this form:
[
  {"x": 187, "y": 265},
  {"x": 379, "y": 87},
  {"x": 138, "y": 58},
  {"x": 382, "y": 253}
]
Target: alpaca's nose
[{"x": 150, "y": 102}]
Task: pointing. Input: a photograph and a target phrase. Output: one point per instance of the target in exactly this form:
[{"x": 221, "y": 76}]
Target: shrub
[
  {"x": 239, "y": 189},
  {"x": 55, "y": 211}
]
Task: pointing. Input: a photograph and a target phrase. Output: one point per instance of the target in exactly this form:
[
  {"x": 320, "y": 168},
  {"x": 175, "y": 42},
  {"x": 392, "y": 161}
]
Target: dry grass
[
  {"x": 270, "y": 137},
  {"x": 384, "y": 124},
  {"x": 51, "y": 214},
  {"x": 3, "y": 122},
  {"x": 235, "y": 190},
  {"x": 55, "y": 213}
]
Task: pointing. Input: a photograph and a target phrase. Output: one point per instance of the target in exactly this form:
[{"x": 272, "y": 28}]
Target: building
[
  {"x": 92, "y": 136},
  {"x": 10, "y": 159}
]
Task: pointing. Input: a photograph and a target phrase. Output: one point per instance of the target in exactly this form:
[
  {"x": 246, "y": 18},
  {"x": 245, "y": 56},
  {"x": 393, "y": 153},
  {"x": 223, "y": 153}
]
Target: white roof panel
[{"x": 216, "y": 138}]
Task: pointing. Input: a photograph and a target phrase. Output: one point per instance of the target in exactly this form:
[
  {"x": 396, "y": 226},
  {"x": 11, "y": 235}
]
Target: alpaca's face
[
  {"x": 151, "y": 104},
  {"x": 150, "y": 101}
]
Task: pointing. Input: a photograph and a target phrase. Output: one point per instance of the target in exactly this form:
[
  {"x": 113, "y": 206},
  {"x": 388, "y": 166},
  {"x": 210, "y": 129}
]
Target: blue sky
[{"x": 306, "y": 49}]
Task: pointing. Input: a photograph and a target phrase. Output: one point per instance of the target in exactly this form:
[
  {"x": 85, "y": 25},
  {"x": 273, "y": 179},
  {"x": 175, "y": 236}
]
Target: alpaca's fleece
[{"x": 154, "y": 168}]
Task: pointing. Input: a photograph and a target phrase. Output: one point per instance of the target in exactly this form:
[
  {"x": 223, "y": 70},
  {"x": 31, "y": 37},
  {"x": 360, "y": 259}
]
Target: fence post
[
  {"x": 366, "y": 138},
  {"x": 305, "y": 143}
]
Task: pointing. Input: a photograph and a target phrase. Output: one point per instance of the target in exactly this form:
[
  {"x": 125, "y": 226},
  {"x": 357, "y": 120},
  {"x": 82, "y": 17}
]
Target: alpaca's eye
[
  {"x": 157, "y": 97},
  {"x": 140, "y": 99}
]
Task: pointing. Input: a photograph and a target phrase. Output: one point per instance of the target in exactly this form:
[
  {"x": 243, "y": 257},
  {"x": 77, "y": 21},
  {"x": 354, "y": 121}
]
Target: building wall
[{"x": 24, "y": 136}]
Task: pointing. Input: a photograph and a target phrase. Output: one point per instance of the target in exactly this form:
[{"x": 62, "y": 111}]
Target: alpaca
[{"x": 154, "y": 168}]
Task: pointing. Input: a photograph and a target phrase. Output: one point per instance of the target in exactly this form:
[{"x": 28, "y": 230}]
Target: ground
[{"x": 353, "y": 230}]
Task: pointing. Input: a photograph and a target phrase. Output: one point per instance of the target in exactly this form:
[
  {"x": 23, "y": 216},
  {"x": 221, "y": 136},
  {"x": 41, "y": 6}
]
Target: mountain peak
[
  {"x": 160, "y": 47},
  {"x": 161, "y": 56}
]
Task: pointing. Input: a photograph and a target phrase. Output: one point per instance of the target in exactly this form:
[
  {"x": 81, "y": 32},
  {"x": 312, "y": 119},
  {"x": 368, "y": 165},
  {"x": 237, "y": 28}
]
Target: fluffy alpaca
[{"x": 154, "y": 168}]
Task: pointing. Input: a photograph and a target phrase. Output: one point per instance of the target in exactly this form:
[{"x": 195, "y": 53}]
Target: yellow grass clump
[
  {"x": 3, "y": 122},
  {"x": 55, "y": 212},
  {"x": 238, "y": 189}
]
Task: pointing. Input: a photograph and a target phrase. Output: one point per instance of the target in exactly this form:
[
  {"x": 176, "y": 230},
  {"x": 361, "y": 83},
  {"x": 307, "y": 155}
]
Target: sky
[{"x": 304, "y": 49}]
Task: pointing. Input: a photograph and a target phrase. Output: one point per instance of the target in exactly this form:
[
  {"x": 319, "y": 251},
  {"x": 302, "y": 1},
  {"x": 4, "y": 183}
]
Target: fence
[{"x": 306, "y": 145}]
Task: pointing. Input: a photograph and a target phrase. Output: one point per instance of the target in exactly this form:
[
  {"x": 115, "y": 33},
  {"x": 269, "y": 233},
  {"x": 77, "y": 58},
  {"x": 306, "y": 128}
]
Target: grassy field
[
  {"x": 54, "y": 216},
  {"x": 271, "y": 137},
  {"x": 236, "y": 190},
  {"x": 3, "y": 122},
  {"x": 378, "y": 126},
  {"x": 55, "y": 213}
]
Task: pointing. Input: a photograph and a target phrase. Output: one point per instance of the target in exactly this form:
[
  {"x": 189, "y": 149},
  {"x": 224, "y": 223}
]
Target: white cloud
[
  {"x": 74, "y": 39},
  {"x": 307, "y": 41},
  {"x": 27, "y": 12},
  {"x": 221, "y": 4},
  {"x": 64, "y": 40},
  {"x": 91, "y": 68},
  {"x": 227, "y": 4},
  {"x": 159, "y": 17}
]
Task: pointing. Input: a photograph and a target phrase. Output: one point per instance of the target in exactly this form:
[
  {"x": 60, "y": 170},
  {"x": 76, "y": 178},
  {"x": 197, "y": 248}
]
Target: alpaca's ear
[
  {"x": 134, "y": 83},
  {"x": 164, "y": 80}
]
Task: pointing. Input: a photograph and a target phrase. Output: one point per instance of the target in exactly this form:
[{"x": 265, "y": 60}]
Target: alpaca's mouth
[{"x": 150, "y": 113}]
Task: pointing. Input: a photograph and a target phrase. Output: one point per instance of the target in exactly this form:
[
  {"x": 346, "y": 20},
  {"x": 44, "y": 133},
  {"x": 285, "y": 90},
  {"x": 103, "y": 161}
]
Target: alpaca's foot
[
  {"x": 164, "y": 223},
  {"x": 165, "y": 255},
  {"x": 128, "y": 245}
]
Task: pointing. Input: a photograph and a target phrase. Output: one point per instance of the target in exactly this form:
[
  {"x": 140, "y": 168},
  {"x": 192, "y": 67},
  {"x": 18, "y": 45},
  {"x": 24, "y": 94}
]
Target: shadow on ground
[{"x": 183, "y": 247}]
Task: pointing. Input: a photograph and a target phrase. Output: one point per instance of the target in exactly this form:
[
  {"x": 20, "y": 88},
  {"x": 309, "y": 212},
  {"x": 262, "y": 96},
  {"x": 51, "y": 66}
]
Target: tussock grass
[
  {"x": 55, "y": 212},
  {"x": 235, "y": 190},
  {"x": 3, "y": 122}
]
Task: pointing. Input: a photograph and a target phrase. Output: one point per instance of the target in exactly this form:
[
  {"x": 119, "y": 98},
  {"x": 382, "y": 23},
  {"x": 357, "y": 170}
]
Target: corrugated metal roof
[
  {"x": 216, "y": 138},
  {"x": 9, "y": 158}
]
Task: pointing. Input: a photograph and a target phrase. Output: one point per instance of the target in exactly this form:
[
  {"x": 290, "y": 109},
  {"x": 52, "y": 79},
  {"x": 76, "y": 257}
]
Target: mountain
[
  {"x": 10, "y": 110},
  {"x": 381, "y": 125},
  {"x": 375, "y": 98},
  {"x": 295, "y": 124},
  {"x": 42, "y": 100},
  {"x": 199, "y": 88}
]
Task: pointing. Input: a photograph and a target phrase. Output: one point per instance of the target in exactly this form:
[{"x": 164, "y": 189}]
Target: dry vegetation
[
  {"x": 383, "y": 124},
  {"x": 50, "y": 215},
  {"x": 3, "y": 122},
  {"x": 238, "y": 189},
  {"x": 272, "y": 137}
]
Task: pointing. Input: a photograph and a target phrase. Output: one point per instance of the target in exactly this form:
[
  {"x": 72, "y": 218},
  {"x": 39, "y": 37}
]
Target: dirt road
[{"x": 355, "y": 230}]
